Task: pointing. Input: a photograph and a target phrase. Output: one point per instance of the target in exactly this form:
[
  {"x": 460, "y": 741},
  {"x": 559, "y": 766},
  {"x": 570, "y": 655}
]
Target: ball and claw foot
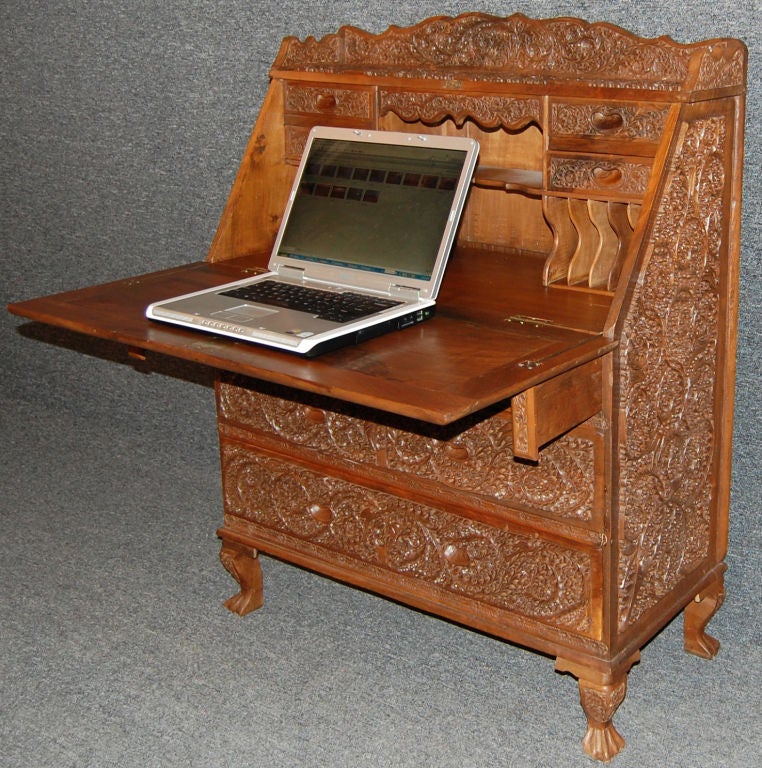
[{"x": 242, "y": 563}]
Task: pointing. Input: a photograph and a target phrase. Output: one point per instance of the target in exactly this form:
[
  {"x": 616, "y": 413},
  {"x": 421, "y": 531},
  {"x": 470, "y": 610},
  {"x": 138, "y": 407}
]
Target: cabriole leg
[
  {"x": 600, "y": 702},
  {"x": 697, "y": 615},
  {"x": 600, "y": 693},
  {"x": 242, "y": 563}
]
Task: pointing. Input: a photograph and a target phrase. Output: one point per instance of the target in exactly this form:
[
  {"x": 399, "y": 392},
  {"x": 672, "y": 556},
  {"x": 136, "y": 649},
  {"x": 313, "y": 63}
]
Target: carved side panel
[
  {"x": 295, "y": 138},
  {"x": 669, "y": 355},
  {"x": 345, "y": 523},
  {"x": 478, "y": 458},
  {"x": 724, "y": 64}
]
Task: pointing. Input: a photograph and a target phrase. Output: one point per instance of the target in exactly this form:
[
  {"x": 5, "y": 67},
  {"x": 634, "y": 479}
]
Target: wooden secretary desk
[{"x": 548, "y": 459}]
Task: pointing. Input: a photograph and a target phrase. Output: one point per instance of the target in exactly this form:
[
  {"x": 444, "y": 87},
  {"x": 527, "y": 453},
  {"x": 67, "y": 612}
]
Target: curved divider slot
[{"x": 590, "y": 240}]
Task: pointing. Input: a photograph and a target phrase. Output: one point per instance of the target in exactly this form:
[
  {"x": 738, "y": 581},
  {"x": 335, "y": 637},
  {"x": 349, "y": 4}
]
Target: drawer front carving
[
  {"x": 329, "y": 101},
  {"x": 338, "y": 521},
  {"x": 309, "y": 105},
  {"x": 604, "y": 177},
  {"x": 295, "y": 141},
  {"x": 478, "y": 459},
  {"x": 574, "y": 124}
]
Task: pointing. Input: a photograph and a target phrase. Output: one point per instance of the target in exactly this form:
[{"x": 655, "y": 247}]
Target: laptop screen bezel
[{"x": 423, "y": 287}]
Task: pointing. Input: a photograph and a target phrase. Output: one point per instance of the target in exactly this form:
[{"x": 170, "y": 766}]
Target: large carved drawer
[
  {"x": 626, "y": 127},
  {"x": 605, "y": 177},
  {"x": 403, "y": 547},
  {"x": 472, "y": 465}
]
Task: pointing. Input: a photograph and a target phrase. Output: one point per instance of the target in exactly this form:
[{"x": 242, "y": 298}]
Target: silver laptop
[{"x": 361, "y": 249}]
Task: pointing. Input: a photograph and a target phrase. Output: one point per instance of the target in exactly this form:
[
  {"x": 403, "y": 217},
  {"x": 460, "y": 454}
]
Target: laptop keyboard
[{"x": 327, "y": 305}]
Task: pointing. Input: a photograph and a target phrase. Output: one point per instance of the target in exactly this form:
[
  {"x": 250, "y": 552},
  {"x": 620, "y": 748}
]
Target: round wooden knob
[
  {"x": 326, "y": 102},
  {"x": 457, "y": 452}
]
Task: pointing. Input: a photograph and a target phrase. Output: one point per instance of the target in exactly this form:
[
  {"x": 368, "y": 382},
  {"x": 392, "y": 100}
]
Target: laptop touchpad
[{"x": 244, "y": 313}]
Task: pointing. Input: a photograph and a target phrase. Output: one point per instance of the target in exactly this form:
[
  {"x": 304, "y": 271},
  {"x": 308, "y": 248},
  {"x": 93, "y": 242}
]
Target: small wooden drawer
[
  {"x": 631, "y": 127},
  {"x": 308, "y": 105},
  {"x": 544, "y": 412},
  {"x": 607, "y": 177},
  {"x": 330, "y": 102}
]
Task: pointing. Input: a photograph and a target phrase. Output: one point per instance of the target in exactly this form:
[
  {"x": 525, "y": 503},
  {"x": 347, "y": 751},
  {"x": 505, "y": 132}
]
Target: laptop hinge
[
  {"x": 291, "y": 273},
  {"x": 406, "y": 292}
]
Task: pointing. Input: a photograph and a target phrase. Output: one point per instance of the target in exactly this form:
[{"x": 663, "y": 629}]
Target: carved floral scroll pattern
[
  {"x": 669, "y": 359},
  {"x": 478, "y": 459},
  {"x": 520, "y": 573},
  {"x": 637, "y": 122},
  {"x": 720, "y": 67},
  {"x": 512, "y": 49},
  {"x": 487, "y": 111},
  {"x": 592, "y": 174},
  {"x": 346, "y": 102}
]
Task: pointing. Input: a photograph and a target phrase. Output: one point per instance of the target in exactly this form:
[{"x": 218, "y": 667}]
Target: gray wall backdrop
[{"x": 122, "y": 125}]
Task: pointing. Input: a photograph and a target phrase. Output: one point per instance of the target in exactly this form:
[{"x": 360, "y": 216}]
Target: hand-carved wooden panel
[
  {"x": 295, "y": 138},
  {"x": 669, "y": 360},
  {"x": 516, "y": 49},
  {"x": 603, "y": 177},
  {"x": 331, "y": 101},
  {"x": 607, "y": 120},
  {"x": 487, "y": 111},
  {"x": 478, "y": 458},
  {"x": 520, "y": 573},
  {"x": 724, "y": 65}
]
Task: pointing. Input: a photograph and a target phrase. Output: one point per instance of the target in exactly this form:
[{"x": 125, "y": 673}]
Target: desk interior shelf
[{"x": 509, "y": 179}]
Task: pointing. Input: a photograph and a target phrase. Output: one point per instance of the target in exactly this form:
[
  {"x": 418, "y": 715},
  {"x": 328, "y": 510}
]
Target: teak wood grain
[
  {"x": 547, "y": 459},
  {"x": 467, "y": 358}
]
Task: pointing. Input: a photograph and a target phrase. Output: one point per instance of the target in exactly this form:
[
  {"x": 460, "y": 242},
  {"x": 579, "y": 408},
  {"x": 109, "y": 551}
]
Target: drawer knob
[
  {"x": 457, "y": 452},
  {"x": 326, "y": 102},
  {"x": 607, "y": 121},
  {"x": 321, "y": 514},
  {"x": 314, "y": 415},
  {"x": 457, "y": 556},
  {"x": 607, "y": 176}
]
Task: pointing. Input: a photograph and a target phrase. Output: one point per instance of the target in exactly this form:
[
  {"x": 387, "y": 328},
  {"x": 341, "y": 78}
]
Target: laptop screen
[{"x": 371, "y": 206}]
